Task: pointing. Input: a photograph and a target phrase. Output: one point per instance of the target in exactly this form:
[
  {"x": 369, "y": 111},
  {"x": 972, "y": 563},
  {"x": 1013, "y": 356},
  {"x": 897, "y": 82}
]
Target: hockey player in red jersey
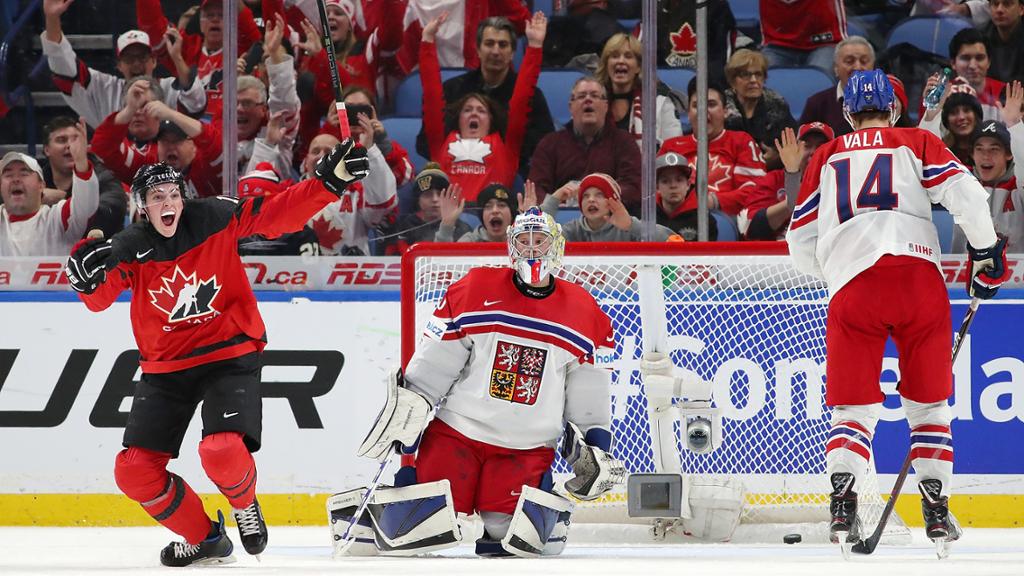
[
  {"x": 509, "y": 359},
  {"x": 863, "y": 224},
  {"x": 200, "y": 337}
]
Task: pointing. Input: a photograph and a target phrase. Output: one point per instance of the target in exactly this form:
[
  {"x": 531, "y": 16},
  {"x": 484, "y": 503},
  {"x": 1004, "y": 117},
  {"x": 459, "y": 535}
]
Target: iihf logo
[{"x": 182, "y": 298}]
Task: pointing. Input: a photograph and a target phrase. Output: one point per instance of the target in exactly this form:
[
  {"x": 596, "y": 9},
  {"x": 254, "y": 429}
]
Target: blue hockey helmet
[{"x": 868, "y": 91}]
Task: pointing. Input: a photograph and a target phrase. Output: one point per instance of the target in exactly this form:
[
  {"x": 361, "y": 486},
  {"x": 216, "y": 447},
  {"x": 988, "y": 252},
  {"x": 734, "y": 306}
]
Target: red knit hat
[
  {"x": 263, "y": 181},
  {"x": 603, "y": 182},
  {"x": 900, "y": 91}
]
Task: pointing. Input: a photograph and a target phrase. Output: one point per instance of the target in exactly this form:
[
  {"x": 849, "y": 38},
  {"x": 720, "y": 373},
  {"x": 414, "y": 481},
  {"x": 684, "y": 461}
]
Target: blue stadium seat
[
  {"x": 943, "y": 221},
  {"x": 929, "y": 33},
  {"x": 747, "y": 14},
  {"x": 566, "y": 215},
  {"x": 727, "y": 229},
  {"x": 676, "y": 78},
  {"x": 557, "y": 86},
  {"x": 409, "y": 95},
  {"x": 404, "y": 131},
  {"x": 545, "y": 6},
  {"x": 470, "y": 216},
  {"x": 797, "y": 84},
  {"x": 629, "y": 24}
]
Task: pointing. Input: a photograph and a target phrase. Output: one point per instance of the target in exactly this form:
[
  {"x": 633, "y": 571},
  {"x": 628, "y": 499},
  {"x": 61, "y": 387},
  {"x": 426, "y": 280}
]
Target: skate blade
[
  {"x": 229, "y": 559},
  {"x": 942, "y": 547},
  {"x": 845, "y": 545}
]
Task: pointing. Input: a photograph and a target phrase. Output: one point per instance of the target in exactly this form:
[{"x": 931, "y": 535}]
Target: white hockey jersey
[
  {"x": 515, "y": 368},
  {"x": 869, "y": 193},
  {"x": 52, "y": 230}
]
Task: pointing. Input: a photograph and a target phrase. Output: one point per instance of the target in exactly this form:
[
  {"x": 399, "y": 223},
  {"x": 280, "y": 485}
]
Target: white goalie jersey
[{"x": 515, "y": 368}]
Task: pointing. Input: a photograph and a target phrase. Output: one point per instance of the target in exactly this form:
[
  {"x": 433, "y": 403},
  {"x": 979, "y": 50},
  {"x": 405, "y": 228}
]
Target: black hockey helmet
[{"x": 152, "y": 175}]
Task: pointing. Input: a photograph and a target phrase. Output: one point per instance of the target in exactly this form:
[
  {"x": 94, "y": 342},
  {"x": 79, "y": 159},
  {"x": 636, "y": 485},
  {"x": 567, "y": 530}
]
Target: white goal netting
[{"x": 752, "y": 325}]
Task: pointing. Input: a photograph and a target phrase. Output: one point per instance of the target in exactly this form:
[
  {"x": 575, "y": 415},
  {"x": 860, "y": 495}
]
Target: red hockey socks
[
  {"x": 142, "y": 475},
  {"x": 229, "y": 464}
]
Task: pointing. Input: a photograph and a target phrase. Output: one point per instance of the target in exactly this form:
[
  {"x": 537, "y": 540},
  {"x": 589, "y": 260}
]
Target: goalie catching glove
[
  {"x": 596, "y": 471},
  {"x": 342, "y": 166},
  {"x": 87, "y": 267},
  {"x": 402, "y": 420}
]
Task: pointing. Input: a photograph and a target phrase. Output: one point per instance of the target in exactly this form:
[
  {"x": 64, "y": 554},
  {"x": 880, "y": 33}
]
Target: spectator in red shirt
[
  {"x": 802, "y": 32},
  {"x": 734, "y": 159},
  {"x": 475, "y": 154},
  {"x": 455, "y": 46},
  {"x": 969, "y": 59},
  {"x": 853, "y": 53}
]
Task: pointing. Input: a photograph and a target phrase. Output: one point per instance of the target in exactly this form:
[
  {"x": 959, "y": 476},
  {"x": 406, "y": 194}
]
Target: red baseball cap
[{"x": 819, "y": 127}]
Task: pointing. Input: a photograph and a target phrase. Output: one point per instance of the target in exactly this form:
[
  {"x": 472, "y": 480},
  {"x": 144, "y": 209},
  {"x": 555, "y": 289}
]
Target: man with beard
[
  {"x": 186, "y": 144},
  {"x": 497, "y": 206},
  {"x": 59, "y": 137},
  {"x": 94, "y": 95}
]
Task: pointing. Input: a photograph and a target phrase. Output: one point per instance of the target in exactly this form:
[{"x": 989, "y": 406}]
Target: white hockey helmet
[{"x": 535, "y": 245}]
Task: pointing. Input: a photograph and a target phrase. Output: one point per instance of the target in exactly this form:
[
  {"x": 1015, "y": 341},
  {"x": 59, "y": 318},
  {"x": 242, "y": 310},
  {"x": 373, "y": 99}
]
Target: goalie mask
[
  {"x": 153, "y": 175},
  {"x": 535, "y": 246}
]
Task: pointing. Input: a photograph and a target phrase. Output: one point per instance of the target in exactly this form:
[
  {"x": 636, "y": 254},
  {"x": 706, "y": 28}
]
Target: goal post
[{"x": 737, "y": 315}]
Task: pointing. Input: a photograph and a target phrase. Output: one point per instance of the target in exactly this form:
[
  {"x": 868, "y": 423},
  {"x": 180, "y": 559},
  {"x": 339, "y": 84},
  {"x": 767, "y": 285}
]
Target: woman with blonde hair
[
  {"x": 749, "y": 106},
  {"x": 619, "y": 71}
]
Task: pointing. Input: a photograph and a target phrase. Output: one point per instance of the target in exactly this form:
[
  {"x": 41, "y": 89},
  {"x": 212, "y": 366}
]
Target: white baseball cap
[
  {"x": 130, "y": 38},
  {"x": 29, "y": 161}
]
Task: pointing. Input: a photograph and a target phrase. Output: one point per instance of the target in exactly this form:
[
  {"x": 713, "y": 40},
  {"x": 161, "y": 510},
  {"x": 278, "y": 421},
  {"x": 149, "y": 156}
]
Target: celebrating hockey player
[
  {"x": 509, "y": 359},
  {"x": 863, "y": 224},
  {"x": 200, "y": 337}
]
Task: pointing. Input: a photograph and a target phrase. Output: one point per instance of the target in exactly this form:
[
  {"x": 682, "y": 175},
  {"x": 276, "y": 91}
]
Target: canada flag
[
  {"x": 182, "y": 297},
  {"x": 683, "y": 46}
]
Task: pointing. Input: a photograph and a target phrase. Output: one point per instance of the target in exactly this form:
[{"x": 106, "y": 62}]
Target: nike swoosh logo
[
  {"x": 141, "y": 255},
  {"x": 230, "y": 414},
  {"x": 491, "y": 302}
]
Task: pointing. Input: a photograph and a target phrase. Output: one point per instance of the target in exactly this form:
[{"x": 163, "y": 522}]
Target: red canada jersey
[
  {"x": 734, "y": 165},
  {"x": 802, "y": 24},
  {"x": 191, "y": 299}
]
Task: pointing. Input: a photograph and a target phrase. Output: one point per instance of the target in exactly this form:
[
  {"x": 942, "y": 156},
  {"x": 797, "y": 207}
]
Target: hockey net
[{"x": 740, "y": 316}]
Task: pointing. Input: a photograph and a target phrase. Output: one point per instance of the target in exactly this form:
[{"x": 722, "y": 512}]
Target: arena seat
[
  {"x": 676, "y": 78},
  {"x": 797, "y": 84},
  {"x": 944, "y": 224},
  {"x": 727, "y": 229},
  {"x": 566, "y": 215},
  {"x": 556, "y": 83},
  {"x": 929, "y": 33},
  {"x": 747, "y": 14},
  {"x": 404, "y": 130},
  {"x": 409, "y": 95}
]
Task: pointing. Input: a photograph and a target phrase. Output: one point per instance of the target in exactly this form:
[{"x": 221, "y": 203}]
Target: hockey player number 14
[{"x": 875, "y": 192}]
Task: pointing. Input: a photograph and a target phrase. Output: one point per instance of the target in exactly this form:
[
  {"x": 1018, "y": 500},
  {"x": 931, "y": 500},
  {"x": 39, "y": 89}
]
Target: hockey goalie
[{"x": 508, "y": 361}]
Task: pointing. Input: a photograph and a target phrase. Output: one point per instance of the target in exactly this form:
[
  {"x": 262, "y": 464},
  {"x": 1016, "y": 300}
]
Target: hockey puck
[{"x": 792, "y": 538}]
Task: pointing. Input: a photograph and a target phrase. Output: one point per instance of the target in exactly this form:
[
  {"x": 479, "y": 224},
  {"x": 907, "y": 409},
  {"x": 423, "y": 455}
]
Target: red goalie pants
[
  {"x": 899, "y": 296},
  {"x": 483, "y": 476}
]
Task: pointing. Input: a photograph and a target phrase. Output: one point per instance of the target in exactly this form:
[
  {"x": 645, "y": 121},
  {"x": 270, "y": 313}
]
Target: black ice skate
[
  {"x": 252, "y": 529},
  {"x": 939, "y": 523},
  {"x": 214, "y": 550},
  {"x": 845, "y": 526}
]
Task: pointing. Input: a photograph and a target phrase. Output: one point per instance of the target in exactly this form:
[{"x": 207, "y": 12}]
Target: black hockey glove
[
  {"x": 87, "y": 267},
  {"x": 343, "y": 165},
  {"x": 988, "y": 269}
]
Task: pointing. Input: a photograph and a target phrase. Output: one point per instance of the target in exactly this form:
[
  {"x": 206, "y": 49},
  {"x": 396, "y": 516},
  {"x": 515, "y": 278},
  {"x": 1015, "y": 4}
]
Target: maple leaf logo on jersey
[
  {"x": 516, "y": 372},
  {"x": 469, "y": 150},
  {"x": 328, "y": 236},
  {"x": 181, "y": 297},
  {"x": 718, "y": 173},
  {"x": 684, "y": 41}
]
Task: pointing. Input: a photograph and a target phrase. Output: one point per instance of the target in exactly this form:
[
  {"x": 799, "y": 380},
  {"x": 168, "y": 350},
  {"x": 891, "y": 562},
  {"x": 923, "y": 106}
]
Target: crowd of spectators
[{"x": 489, "y": 144}]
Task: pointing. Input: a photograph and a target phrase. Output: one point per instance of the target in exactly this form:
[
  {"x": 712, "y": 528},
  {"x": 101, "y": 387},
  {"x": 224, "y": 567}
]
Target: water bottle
[{"x": 932, "y": 98}]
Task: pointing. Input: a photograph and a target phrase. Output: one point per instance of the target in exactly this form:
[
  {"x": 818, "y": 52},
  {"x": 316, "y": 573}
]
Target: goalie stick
[
  {"x": 868, "y": 546},
  {"x": 332, "y": 63}
]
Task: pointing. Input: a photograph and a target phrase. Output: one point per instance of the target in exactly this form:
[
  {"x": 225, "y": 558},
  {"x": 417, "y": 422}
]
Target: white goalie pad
[
  {"x": 414, "y": 519},
  {"x": 340, "y": 508},
  {"x": 402, "y": 420},
  {"x": 540, "y": 524},
  {"x": 715, "y": 508}
]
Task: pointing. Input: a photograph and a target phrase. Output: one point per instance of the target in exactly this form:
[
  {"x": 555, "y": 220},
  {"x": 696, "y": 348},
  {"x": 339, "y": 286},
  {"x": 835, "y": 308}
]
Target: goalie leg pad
[
  {"x": 402, "y": 419},
  {"x": 715, "y": 508},
  {"x": 539, "y": 525},
  {"x": 414, "y": 519},
  {"x": 340, "y": 508}
]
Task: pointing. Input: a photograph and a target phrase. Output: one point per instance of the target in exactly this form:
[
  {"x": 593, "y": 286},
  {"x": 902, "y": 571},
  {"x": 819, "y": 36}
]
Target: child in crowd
[
  {"x": 677, "y": 207},
  {"x": 603, "y": 216}
]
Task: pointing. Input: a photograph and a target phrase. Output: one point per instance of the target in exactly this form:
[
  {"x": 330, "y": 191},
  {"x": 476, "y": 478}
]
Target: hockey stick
[
  {"x": 868, "y": 546},
  {"x": 332, "y": 63}
]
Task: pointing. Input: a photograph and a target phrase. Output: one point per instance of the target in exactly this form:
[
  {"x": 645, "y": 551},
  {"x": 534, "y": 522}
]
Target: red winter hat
[
  {"x": 899, "y": 90},
  {"x": 263, "y": 181},
  {"x": 603, "y": 182},
  {"x": 823, "y": 129}
]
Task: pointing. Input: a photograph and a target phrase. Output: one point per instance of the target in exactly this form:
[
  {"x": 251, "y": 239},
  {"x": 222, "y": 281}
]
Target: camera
[
  {"x": 354, "y": 110},
  {"x": 698, "y": 435}
]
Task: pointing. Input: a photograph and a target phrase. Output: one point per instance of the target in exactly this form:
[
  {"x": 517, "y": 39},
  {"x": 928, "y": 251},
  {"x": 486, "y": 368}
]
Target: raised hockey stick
[
  {"x": 332, "y": 63},
  {"x": 868, "y": 546}
]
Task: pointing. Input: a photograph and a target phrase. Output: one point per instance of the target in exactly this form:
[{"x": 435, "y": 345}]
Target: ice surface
[{"x": 306, "y": 550}]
